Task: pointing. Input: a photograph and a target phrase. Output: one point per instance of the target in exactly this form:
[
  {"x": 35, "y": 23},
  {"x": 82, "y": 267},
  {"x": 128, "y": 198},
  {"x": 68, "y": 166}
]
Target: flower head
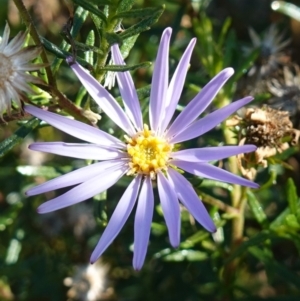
[
  {"x": 146, "y": 154},
  {"x": 14, "y": 64},
  {"x": 271, "y": 50}
]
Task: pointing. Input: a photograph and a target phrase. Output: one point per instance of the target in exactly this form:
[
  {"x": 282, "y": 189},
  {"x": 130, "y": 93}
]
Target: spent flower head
[
  {"x": 270, "y": 46},
  {"x": 147, "y": 154},
  {"x": 14, "y": 65}
]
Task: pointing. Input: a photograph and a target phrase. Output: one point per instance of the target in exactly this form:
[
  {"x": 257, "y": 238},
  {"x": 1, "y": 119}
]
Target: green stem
[
  {"x": 105, "y": 47},
  {"x": 64, "y": 102},
  {"x": 35, "y": 36}
]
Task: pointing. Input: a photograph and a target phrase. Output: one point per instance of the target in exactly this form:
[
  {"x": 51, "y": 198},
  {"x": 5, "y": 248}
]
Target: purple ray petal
[
  {"x": 208, "y": 122},
  {"x": 209, "y": 171},
  {"x": 170, "y": 206},
  {"x": 84, "y": 191},
  {"x": 75, "y": 128},
  {"x": 127, "y": 90},
  {"x": 118, "y": 218},
  {"x": 80, "y": 151},
  {"x": 75, "y": 177},
  {"x": 159, "y": 83},
  {"x": 199, "y": 103},
  {"x": 190, "y": 200},
  {"x": 176, "y": 86},
  {"x": 106, "y": 102},
  {"x": 142, "y": 224},
  {"x": 211, "y": 153}
]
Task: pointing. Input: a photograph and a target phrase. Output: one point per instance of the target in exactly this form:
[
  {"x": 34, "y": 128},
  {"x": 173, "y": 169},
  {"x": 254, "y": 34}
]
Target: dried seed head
[{"x": 269, "y": 129}]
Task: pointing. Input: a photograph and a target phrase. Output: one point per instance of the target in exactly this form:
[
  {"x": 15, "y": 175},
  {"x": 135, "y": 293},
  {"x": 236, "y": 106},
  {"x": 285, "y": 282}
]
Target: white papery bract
[
  {"x": 14, "y": 65},
  {"x": 147, "y": 154}
]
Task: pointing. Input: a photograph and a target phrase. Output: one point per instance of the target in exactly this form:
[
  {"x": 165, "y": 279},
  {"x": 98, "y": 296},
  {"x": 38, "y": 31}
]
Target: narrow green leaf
[
  {"x": 185, "y": 255},
  {"x": 142, "y": 13},
  {"x": 292, "y": 196},
  {"x": 127, "y": 45},
  {"x": 224, "y": 32},
  {"x": 79, "y": 18},
  {"x": 49, "y": 172},
  {"x": 60, "y": 53},
  {"x": 256, "y": 207},
  {"x": 277, "y": 269},
  {"x": 113, "y": 38},
  {"x": 247, "y": 63},
  {"x": 125, "y": 5},
  {"x": 87, "y": 48},
  {"x": 143, "y": 25},
  {"x": 256, "y": 240},
  {"x": 91, "y": 8},
  {"x": 143, "y": 92},
  {"x": 122, "y": 68},
  {"x": 100, "y": 2},
  {"x": 18, "y": 136}
]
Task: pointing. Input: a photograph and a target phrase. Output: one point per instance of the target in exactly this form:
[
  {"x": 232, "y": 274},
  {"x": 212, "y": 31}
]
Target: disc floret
[{"x": 149, "y": 153}]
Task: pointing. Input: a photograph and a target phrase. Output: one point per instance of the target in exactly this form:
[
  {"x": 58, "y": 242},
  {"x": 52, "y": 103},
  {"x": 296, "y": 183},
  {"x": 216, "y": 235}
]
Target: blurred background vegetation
[{"x": 45, "y": 257}]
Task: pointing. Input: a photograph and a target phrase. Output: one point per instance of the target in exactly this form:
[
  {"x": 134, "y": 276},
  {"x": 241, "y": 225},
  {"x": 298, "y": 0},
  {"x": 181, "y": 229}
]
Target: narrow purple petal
[
  {"x": 170, "y": 206},
  {"x": 142, "y": 224},
  {"x": 80, "y": 151},
  {"x": 127, "y": 90},
  {"x": 118, "y": 218},
  {"x": 208, "y": 122},
  {"x": 199, "y": 103},
  {"x": 106, "y": 102},
  {"x": 75, "y": 128},
  {"x": 211, "y": 153},
  {"x": 84, "y": 191},
  {"x": 190, "y": 200},
  {"x": 209, "y": 171},
  {"x": 159, "y": 83},
  {"x": 75, "y": 177},
  {"x": 176, "y": 86}
]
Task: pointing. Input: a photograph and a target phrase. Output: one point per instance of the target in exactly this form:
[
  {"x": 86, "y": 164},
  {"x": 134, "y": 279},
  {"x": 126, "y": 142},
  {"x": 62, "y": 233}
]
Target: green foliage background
[{"x": 38, "y": 252}]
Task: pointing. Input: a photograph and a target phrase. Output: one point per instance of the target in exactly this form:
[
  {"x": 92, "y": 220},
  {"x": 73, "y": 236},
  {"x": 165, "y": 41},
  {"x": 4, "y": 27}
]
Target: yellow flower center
[{"x": 148, "y": 153}]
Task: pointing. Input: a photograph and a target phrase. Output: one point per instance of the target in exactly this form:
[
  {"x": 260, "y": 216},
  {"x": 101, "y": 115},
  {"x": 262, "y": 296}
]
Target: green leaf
[
  {"x": 113, "y": 38},
  {"x": 274, "y": 267},
  {"x": 247, "y": 63},
  {"x": 127, "y": 45},
  {"x": 256, "y": 207},
  {"x": 91, "y": 8},
  {"x": 100, "y": 2},
  {"x": 122, "y": 68},
  {"x": 143, "y": 92},
  {"x": 224, "y": 32},
  {"x": 61, "y": 53},
  {"x": 18, "y": 136},
  {"x": 292, "y": 222},
  {"x": 186, "y": 255},
  {"x": 256, "y": 240},
  {"x": 79, "y": 18},
  {"x": 48, "y": 172},
  {"x": 143, "y": 25},
  {"x": 137, "y": 13},
  {"x": 125, "y": 5},
  {"x": 292, "y": 197}
]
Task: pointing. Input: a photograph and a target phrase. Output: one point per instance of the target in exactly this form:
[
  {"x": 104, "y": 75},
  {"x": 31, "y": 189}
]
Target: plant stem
[
  {"x": 35, "y": 36},
  {"x": 64, "y": 102}
]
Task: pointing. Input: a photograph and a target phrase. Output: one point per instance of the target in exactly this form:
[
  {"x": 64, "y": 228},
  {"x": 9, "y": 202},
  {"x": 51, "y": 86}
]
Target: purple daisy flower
[{"x": 147, "y": 154}]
